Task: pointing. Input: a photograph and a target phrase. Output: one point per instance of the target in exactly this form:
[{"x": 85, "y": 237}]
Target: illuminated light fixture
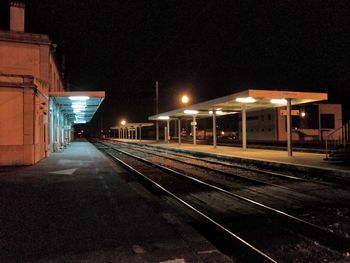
[
  {"x": 79, "y": 97},
  {"x": 210, "y": 112},
  {"x": 279, "y": 101},
  {"x": 185, "y": 99},
  {"x": 192, "y": 112},
  {"x": 302, "y": 114},
  {"x": 246, "y": 100},
  {"x": 219, "y": 112},
  {"x": 78, "y": 105},
  {"x": 80, "y": 121},
  {"x": 123, "y": 122},
  {"x": 163, "y": 118}
]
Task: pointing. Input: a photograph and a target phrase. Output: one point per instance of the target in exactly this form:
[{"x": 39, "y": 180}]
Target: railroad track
[
  {"x": 298, "y": 189},
  {"x": 223, "y": 208}
]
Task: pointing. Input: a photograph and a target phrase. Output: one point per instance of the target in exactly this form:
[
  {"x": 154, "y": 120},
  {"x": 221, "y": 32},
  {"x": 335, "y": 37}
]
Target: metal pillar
[
  {"x": 157, "y": 102},
  {"x": 157, "y": 131},
  {"x": 214, "y": 128},
  {"x": 289, "y": 127},
  {"x": 194, "y": 130},
  {"x": 244, "y": 127},
  {"x": 135, "y": 133},
  {"x": 140, "y": 138},
  {"x": 179, "y": 131},
  {"x": 175, "y": 128},
  {"x": 168, "y": 131}
]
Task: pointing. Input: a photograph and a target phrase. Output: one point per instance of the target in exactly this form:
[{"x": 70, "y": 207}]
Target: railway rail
[{"x": 173, "y": 183}]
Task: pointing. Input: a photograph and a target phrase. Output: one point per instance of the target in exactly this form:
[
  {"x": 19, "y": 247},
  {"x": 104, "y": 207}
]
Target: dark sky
[{"x": 205, "y": 48}]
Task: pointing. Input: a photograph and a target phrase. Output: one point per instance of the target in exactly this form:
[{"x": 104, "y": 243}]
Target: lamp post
[{"x": 123, "y": 122}]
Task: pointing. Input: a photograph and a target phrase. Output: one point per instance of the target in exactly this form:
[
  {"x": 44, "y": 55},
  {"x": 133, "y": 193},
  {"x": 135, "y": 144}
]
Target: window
[
  {"x": 269, "y": 117},
  {"x": 327, "y": 121},
  {"x": 262, "y": 117}
]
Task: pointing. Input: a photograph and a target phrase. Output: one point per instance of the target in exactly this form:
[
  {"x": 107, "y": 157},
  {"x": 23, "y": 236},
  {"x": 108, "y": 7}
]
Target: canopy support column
[
  {"x": 167, "y": 131},
  {"x": 157, "y": 131},
  {"x": 214, "y": 128},
  {"x": 194, "y": 130},
  {"x": 244, "y": 127},
  {"x": 140, "y": 138},
  {"x": 136, "y": 133},
  {"x": 179, "y": 130},
  {"x": 289, "y": 127}
]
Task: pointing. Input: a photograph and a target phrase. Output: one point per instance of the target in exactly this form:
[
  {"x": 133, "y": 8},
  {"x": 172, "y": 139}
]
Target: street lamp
[
  {"x": 185, "y": 99},
  {"x": 123, "y": 122}
]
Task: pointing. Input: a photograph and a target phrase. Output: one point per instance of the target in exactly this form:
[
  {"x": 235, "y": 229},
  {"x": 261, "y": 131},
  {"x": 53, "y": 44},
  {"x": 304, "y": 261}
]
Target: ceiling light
[
  {"x": 163, "y": 118},
  {"x": 246, "y": 100},
  {"x": 79, "y": 97},
  {"x": 192, "y": 112},
  {"x": 279, "y": 101}
]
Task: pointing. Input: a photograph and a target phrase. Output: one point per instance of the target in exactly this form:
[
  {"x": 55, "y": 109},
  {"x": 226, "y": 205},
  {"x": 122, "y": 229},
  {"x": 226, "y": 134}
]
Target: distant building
[
  {"x": 28, "y": 76},
  {"x": 311, "y": 122}
]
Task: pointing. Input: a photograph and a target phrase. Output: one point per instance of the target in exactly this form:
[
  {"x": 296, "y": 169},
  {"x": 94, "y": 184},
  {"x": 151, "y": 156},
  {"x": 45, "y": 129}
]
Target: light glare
[
  {"x": 191, "y": 112},
  {"x": 79, "y": 97},
  {"x": 279, "y": 101},
  {"x": 246, "y": 100},
  {"x": 185, "y": 99}
]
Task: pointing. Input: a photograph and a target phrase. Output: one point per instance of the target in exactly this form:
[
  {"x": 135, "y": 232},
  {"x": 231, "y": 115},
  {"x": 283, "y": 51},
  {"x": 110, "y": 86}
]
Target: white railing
[{"x": 338, "y": 139}]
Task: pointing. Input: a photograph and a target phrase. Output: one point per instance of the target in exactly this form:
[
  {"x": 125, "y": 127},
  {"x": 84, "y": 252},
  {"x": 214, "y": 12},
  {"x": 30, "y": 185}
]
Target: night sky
[{"x": 206, "y": 48}]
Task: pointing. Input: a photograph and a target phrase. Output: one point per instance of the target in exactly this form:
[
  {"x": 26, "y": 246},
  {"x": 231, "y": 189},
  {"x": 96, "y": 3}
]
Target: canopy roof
[
  {"x": 78, "y": 106},
  {"x": 252, "y": 99},
  {"x": 132, "y": 125}
]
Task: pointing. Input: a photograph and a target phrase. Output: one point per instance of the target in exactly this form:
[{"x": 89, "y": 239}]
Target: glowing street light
[
  {"x": 123, "y": 122},
  {"x": 185, "y": 99}
]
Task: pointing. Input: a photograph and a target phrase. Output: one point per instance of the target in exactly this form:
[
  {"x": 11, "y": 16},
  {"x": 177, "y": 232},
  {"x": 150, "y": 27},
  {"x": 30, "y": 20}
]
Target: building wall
[
  {"x": 19, "y": 58},
  {"x": 306, "y": 133},
  {"x": 24, "y": 128},
  {"x": 261, "y": 125}
]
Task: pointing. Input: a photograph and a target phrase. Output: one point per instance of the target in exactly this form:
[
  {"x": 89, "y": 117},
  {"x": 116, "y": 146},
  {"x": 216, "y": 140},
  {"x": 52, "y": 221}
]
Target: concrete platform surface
[
  {"x": 79, "y": 206},
  {"x": 313, "y": 160}
]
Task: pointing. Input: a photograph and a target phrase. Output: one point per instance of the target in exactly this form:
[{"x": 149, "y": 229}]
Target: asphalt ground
[{"x": 80, "y": 206}]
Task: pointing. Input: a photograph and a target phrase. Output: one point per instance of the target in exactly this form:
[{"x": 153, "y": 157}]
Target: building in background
[
  {"x": 311, "y": 122},
  {"x": 33, "y": 122}
]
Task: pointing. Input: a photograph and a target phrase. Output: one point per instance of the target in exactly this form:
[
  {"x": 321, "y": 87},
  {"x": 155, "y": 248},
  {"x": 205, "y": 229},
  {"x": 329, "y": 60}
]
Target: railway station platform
[
  {"x": 278, "y": 158},
  {"x": 80, "y": 206}
]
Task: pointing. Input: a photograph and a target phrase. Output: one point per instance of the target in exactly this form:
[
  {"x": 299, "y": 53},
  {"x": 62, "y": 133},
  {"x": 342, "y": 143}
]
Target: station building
[
  {"x": 36, "y": 112},
  {"x": 311, "y": 122}
]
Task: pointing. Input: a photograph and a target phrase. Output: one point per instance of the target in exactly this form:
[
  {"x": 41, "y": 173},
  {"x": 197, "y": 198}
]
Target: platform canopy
[
  {"x": 241, "y": 102},
  {"x": 78, "y": 106},
  {"x": 132, "y": 125},
  {"x": 252, "y": 99}
]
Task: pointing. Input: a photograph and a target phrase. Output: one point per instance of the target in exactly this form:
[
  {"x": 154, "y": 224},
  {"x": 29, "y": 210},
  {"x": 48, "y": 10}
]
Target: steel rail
[
  {"x": 218, "y": 162},
  {"x": 257, "y": 254},
  {"x": 222, "y": 172},
  {"x": 224, "y": 163},
  {"x": 326, "y": 236}
]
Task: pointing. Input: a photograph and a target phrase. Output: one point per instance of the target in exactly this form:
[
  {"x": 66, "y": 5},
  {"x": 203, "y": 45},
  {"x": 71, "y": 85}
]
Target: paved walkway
[
  {"x": 79, "y": 206},
  {"x": 298, "y": 158}
]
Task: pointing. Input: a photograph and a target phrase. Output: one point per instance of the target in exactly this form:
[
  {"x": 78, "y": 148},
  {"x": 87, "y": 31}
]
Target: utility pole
[{"x": 157, "y": 100}]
